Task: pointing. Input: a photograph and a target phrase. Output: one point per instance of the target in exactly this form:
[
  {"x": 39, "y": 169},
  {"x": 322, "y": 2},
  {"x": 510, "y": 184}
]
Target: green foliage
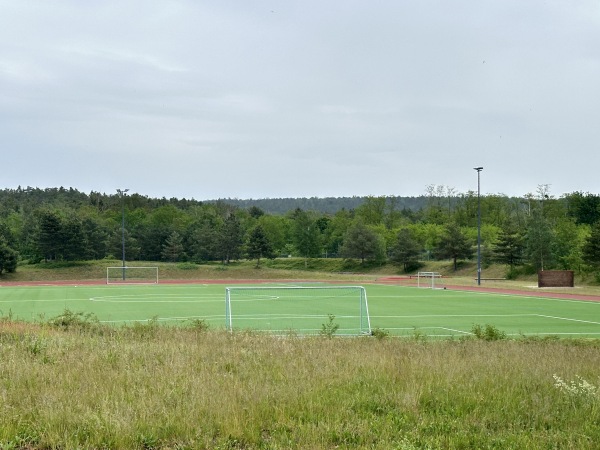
[
  {"x": 258, "y": 245},
  {"x": 487, "y": 332},
  {"x": 173, "y": 249},
  {"x": 454, "y": 244},
  {"x": 584, "y": 207},
  {"x": 145, "y": 330},
  {"x": 8, "y": 257},
  {"x": 187, "y": 266},
  {"x": 509, "y": 247},
  {"x": 230, "y": 238},
  {"x": 380, "y": 333},
  {"x": 199, "y": 325},
  {"x": 70, "y": 320},
  {"x": 329, "y": 328},
  {"x": 539, "y": 240},
  {"x": 58, "y": 224},
  {"x": 363, "y": 243},
  {"x": 591, "y": 248},
  {"x": 306, "y": 234},
  {"x": 406, "y": 250}
]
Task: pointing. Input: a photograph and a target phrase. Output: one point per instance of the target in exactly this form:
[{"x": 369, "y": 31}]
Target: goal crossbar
[
  {"x": 432, "y": 280},
  {"x": 298, "y": 309}
]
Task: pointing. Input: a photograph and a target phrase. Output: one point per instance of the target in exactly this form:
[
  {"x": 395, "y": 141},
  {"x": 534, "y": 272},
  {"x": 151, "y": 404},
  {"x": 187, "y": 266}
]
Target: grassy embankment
[
  {"x": 82, "y": 385},
  {"x": 292, "y": 269}
]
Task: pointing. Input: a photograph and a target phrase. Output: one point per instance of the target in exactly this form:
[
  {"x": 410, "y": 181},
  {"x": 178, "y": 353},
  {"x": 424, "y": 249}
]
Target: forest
[{"x": 535, "y": 232}]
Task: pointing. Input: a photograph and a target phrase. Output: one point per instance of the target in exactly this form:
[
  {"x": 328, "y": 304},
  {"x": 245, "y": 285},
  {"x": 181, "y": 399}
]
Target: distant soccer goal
[
  {"x": 298, "y": 309},
  {"x": 431, "y": 280},
  {"x": 132, "y": 275}
]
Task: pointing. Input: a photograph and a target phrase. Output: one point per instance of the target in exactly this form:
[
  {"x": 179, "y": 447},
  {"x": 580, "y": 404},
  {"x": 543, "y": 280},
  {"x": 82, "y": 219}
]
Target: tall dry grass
[{"x": 147, "y": 386}]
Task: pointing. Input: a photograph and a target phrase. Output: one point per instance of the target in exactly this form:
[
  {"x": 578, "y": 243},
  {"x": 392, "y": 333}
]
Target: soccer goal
[
  {"x": 431, "y": 280},
  {"x": 132, "y": 275},
  {"x": 298, "y": 309}
]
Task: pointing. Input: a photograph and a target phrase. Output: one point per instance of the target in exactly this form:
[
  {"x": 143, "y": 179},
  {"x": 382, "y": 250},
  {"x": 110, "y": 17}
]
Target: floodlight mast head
[{"x": 478, "y": 169}]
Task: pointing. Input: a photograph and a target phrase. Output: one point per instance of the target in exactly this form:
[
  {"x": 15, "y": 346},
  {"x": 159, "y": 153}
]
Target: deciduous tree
[{"x": 362, "y": 242}]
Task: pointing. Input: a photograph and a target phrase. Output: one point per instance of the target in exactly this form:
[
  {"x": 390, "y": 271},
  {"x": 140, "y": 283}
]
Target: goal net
[
  {"x": 298, "y": 309},
  {"x": 431, "y": 280},
  {"x": 132, "y": 275}
]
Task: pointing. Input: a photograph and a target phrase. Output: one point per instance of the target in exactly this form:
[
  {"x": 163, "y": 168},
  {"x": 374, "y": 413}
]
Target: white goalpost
[
  {"x": 431, "y": 280},
  {"x": 131, "y": 275},
  {"x": 298, "y": 309}
]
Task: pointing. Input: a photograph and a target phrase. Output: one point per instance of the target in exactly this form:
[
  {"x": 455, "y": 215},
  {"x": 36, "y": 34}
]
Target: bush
[
  {"x": 329, "y": 329},
  {"x": 379, "y": 333},
  {"x": 72, "y": 320},
  {"x": 488, "y": 332}
]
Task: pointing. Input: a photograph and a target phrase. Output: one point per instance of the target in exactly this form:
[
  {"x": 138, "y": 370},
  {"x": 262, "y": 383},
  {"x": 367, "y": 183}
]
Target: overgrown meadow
[{"x": 73, "y": 383}]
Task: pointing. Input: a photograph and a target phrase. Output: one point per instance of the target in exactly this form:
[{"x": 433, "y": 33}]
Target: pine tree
[
  {"x": 230, "y": 239},
  {"x": 49, "y": 235},
  {"x": 258, "y": 245},
  {"x": 406, "y": 250},
  {"x": 8, "y": 257},
  {"x": 509, "y": 248},
  {"x": 591, "y": 248},
  {"x": 173, "y": 248},
  {"x": 455, "y": 245}
]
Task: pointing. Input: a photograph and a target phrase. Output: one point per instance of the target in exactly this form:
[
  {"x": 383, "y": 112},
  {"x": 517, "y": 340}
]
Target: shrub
[
  {"x": 72, "y": 320},
  {"x": 379, "y": 333},
  {"x": 329, "y": 328},
  {"x": 488, "y": 332}
]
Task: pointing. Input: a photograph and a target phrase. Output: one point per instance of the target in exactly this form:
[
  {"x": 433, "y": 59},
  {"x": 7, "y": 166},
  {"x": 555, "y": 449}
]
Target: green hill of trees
[{"x": 526, "y": 234}]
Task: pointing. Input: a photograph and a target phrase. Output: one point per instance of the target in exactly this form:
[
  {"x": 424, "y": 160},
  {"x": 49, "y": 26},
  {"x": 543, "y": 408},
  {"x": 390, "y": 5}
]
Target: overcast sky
[{"x": 300, "y": 98}]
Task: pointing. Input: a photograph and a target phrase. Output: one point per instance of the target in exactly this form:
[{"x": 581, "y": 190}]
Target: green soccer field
[{"x": 402, "y": 311}]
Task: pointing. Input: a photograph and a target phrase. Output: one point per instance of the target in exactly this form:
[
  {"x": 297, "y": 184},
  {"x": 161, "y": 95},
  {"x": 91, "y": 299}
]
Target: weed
[
  {"x": 419, "y": 336},
  {"x": 488, "y": 332},
  {"x": 145, "y": 330},
  {"x": 199, "y": 325},
  {"x": 379, "y": 333},
  {"x": 72, "y": 320},
  {"x": 35, "y": 345},
  {"x": 329, "y": 328},
  {"x": 148, "y": 441},
  {"x": 577, "y": 388},
  {"x": 8, "y": 318}
]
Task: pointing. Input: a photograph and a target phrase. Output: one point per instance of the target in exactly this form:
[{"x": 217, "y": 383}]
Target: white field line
[
  {"x": 156, "y": 298},
  {"x": 569, "y": 319},
  {"x": 163, "y": 319},
  {"x": 124, "y": 299},
  {"x": 530, "y": 297},
  {"x": 418, "y": 316}
]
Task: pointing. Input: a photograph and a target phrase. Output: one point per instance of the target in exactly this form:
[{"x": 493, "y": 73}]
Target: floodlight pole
[
  {"x": 122, "y": 193},
  {"x": 478, "y": 169}
]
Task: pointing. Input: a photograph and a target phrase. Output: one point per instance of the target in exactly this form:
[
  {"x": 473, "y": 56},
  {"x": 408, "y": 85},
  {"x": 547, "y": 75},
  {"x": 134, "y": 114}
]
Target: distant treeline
[
  {"x": 30, "y": 197},
  {"x": 327, "y": 205}
]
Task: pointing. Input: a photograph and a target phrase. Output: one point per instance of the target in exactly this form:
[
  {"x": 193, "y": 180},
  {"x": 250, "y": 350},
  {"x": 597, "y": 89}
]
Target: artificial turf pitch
[{"x": 399, "y": 310}]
